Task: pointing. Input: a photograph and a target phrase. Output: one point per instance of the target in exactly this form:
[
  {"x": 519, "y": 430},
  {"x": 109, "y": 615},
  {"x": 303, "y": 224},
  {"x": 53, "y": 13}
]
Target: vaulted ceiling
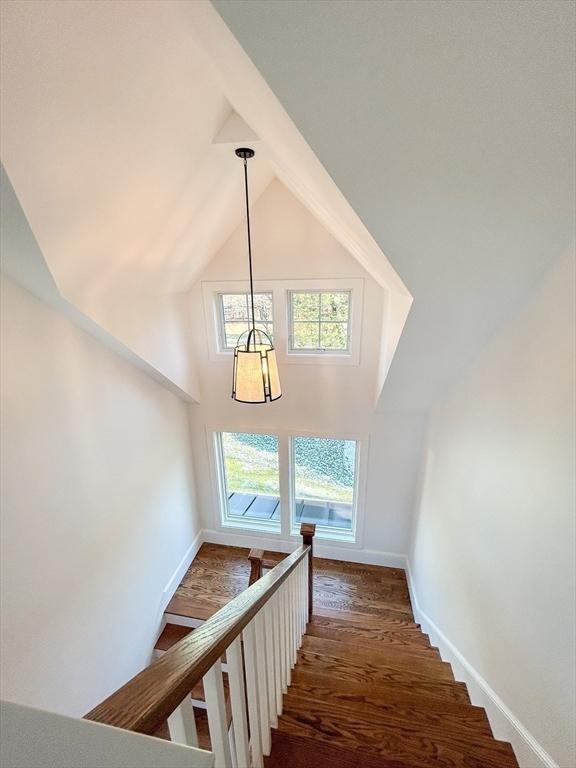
[
  {"x": 118, "y": 125},
  {"x": 434, "y": 140},
  {"x": 449, "y": 127}
]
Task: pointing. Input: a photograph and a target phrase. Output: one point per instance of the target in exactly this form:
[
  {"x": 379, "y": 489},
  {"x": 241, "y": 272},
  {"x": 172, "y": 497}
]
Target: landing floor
[{"x": 219, "y": 573}]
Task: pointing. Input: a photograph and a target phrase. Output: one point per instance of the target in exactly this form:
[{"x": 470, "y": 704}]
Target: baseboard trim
[
  {"x": 181, "y": 568},
  {"x": 331, "y": 550},
  {"x": 505, "y": 725}
]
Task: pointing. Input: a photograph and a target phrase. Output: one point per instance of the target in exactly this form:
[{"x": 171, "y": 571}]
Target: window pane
[
  {"x": 234, "y": 331},
  {"x": 335, "y": 306},
  {"x": 324, "y": 481},
  {"x": 262, "y": 307},
  {"x": 237, "y": 314},
  {"x": 251, "y": 476},
  {"x": 334, "y": 335},
  {"x": 306, "y": 336},
  {"x": 306, "y": 306},
  {"x": 234, "y": 306}
]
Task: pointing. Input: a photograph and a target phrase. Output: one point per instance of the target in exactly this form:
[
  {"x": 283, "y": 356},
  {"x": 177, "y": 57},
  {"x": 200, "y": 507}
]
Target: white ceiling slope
[
  {"x": 449, "y": 127},
  {"x": 118, "y": 123},
  {"x": 23, "y": 262}
]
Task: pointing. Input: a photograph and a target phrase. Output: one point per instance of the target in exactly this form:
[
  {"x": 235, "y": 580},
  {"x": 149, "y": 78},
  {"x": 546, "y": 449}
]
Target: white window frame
[
  {"x": 288, "y": 532},
  {"x": 292, "y": 350},
  {"x": 281, "y": 322},
  {"x": 222, "y": 347}
]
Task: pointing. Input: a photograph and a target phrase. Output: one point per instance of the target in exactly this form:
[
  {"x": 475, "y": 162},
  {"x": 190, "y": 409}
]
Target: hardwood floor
[{"x": 368, "y": 690}]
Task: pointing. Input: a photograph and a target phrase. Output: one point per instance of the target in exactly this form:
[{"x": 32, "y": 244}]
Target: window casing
[
  {"x": 274, "y": 482},
  {"x": 220, "y": 344},
  {"x": 319, "y": 322}
]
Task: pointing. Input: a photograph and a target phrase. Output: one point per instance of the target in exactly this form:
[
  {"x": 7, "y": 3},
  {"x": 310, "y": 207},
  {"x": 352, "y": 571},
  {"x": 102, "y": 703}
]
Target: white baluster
[
  {"x": 270, "y": 663},
  {"x": 302, "y": 587},
  {"x": 294, "y": 612},
  {"x": 282, "y": 638},
  {"x": 182, "y": 725},
  {"x": 217, "y": 717},
  {"x": 290, "y": 590},
  {"x": 306, "y": 594},
  {"x": 262, "y": 682},
  {"x": 280, "y": 644},
  {"x": 286, "y": 627},
  {"x": 252, "y": 694},
  {"x": 277, "y": 653},
  {"x": 238, "y": 702},
  {"x": 297, "y": 605}
]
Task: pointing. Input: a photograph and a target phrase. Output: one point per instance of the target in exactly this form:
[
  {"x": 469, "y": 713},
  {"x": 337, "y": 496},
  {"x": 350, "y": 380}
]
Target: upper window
[
  {"x": 236, "y": 316},
  {"x": 320, "y": 321}
]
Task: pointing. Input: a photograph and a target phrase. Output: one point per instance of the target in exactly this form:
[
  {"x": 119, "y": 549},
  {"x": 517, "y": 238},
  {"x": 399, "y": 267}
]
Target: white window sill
[{"x": 263, "y": 526}]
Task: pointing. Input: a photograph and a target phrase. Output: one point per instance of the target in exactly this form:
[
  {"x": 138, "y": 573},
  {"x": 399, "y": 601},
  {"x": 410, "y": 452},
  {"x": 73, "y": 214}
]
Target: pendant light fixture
[{"x": 255, "y": 378}]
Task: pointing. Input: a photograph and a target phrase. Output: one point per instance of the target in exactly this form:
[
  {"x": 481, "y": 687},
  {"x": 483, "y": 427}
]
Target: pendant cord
[{"x": 249, "y": 245}]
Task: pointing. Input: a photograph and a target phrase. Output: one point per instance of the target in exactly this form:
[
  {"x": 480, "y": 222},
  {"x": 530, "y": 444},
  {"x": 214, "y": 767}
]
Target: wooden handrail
[{"x": 146, "y": 701}]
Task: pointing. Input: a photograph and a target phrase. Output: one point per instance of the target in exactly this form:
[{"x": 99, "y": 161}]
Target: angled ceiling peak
[{"x": 235, "y": 130}]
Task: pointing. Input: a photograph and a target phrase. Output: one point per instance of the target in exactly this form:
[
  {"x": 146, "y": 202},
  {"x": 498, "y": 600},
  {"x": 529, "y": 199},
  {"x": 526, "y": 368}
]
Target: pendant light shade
[{"x": 255, "y": 378}]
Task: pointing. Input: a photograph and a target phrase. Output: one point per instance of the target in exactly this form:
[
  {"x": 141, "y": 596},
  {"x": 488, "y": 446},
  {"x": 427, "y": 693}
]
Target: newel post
[
  {"x": 255, "y": 557},
  {"x": 307, "y": 531}
]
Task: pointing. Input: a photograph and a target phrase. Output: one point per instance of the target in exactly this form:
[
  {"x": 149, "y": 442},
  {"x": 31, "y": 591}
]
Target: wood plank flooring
[{"x": 368, "y": 689}]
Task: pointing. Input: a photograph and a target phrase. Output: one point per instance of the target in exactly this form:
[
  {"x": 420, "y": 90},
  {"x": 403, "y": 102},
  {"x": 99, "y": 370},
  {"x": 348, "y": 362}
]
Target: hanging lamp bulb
[{"x": 255, "y": 378}]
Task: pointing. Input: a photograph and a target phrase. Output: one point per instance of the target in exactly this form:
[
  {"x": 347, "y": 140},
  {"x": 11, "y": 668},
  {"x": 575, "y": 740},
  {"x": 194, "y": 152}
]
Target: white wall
[
  {"x": 290, "y": 244},
  {"x": 493, "y": 557},
  {"x": 97, "y": 509}
]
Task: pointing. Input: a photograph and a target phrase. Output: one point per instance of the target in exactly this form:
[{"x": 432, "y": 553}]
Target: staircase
[
  {"x": 369, "y": 689},
  {"x": 361, "y": 688},
  {"x": 374, "y": 693}
]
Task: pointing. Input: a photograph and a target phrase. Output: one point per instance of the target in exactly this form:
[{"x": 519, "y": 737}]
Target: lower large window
[
  {"x": 249, "y": 468},
  {"x": 324, "y": 476},
  {"x": 319, "y": 477}
]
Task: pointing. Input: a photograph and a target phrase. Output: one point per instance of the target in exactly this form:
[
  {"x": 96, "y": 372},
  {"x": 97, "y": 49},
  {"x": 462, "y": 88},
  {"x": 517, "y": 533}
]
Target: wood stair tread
[
  {"x": 171, "y": 634},
  {"x": 413, "y": 745},
  {"x": 361, "y": 671},
  {"x": 389, "y": 641},
  {"x": 365, "y": 619},
  {"x": 193, "y": 608},
  {"x": 433, "y": 693},
  {"x": 392, "y": 706},
  {"x": 388, "y": 657},
  {"x": 370, "y": 630},
  {"x": 406, "y": 722},
  {"x": 290, "y": 751}
]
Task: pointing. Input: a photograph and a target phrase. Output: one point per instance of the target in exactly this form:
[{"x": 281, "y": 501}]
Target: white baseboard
[
  {"x": 181, "y": 568},
  {"x": 331, "y": 550},
  {"x": 505, "y": 725}
]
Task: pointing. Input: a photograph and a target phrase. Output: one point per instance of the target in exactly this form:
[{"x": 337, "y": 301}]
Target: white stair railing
[{"x": 260, "y": 632}]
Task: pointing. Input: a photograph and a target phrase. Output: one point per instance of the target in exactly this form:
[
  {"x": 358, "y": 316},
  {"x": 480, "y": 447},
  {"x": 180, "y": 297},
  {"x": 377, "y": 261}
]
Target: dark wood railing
[{"x": 145, "y": 702}]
